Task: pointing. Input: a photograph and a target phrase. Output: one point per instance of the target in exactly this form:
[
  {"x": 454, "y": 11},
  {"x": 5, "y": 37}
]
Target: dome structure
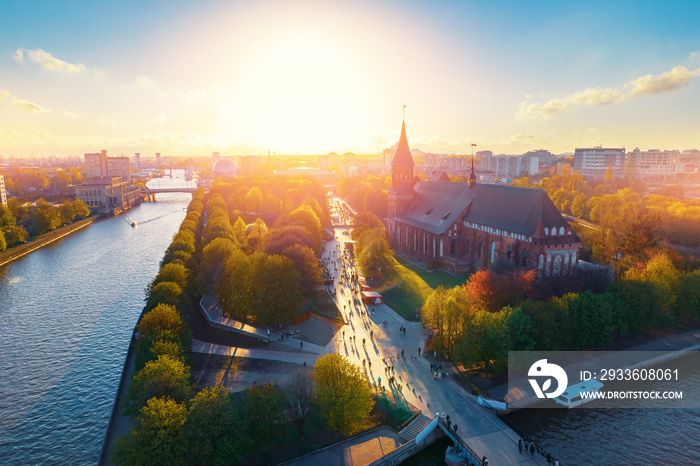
[{"x": 225, "y": 168}]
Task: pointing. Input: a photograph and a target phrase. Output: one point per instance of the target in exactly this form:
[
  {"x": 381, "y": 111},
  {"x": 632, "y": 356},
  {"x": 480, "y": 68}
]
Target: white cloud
[
  {"x": 160, "y": 119},
  {"x": 671, "y": 81},
  {"x": 67, "y": 114},
  {"x": 144, "y": 81},
  {"x": 18, "y": 55},
  {"x": 24, "y": 106},
  {"x": 49, "y": 62},
  {"x": 107, "y": 122},
  {"x": 694, "y": 55}
]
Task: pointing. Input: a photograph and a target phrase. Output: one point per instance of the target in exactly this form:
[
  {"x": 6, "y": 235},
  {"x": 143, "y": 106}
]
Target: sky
[{"x": 186, "y": 78}]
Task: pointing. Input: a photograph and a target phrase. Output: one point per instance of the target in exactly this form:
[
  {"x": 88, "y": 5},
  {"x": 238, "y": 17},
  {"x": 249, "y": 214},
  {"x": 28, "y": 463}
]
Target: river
[{"x": 66, "y": 316}]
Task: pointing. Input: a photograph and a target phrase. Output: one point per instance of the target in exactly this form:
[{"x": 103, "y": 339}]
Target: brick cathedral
[{"x": 473, "y": 226}]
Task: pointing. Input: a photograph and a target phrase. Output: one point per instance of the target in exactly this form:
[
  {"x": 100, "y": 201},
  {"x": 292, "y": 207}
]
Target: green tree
[
  {"x": 163, "y": 377},
  {"x": 164, "y": 293},
  {"x": 176, "y": 273},
  {"x": 254, "y": 200},
  {"x": 15, "y": 234},
  {"x": 305, "y": 216},
  {"x": 214, "y": 258},
  {"x": 45, "y": 217},
  {"x": 665, "y": 279},
  {"x": 342, "y": 392},
  {"x": 445, "y": 313},
  {"x": 164, "y": 317},
  {"x": 264, "y": 410},
  {"x": 80, "y": 208},
  {"x": 216, "y": 431},
  {"x": 488, "y": 337},
  {"x": 3, "y": 243},
  {"x": 157, "y": 439},
  {"x": 373, "y": 252},
  {"x": 307, "y": 264}
]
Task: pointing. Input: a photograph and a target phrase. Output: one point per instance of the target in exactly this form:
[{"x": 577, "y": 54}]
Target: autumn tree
[
  {"x": 157, "y": 439},
  {"x": 176, "y": 273},
  {"x": 342, "y": 392},
  {"x": 163, "y": 377}
]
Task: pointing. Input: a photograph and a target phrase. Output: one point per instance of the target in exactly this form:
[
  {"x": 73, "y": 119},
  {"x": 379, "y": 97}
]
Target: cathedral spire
[
  {"x": 402, "y": 156},
  {"x": 472, "y": 177}
]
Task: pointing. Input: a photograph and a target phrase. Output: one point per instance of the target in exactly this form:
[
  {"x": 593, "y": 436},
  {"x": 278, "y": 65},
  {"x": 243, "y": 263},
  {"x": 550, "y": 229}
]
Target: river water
[{"x": 66, "y": 316}]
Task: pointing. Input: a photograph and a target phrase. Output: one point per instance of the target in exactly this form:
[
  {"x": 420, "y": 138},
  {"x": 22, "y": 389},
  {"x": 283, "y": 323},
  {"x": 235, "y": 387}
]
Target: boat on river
[{"x": 573, "y": 396}]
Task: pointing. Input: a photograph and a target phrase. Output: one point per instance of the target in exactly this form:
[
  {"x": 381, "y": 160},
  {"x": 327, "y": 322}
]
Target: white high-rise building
[
  {"x": 652, "y": 163},
  {"x": 594, "y": 162},
  {"x": 3, "y": 193}
]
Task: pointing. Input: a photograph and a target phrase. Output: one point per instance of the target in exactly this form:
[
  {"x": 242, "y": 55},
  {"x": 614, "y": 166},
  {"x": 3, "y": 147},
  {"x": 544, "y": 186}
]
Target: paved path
[
  {"x": 479, "y": 428},
  {"x": 211, "y": 348},
  {"x": 358, "y": 451},
  {"x": 216, "y": 318}
]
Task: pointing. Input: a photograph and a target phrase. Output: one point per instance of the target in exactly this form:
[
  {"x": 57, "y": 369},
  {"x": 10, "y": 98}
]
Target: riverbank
[{"x": 22, "y": 250}]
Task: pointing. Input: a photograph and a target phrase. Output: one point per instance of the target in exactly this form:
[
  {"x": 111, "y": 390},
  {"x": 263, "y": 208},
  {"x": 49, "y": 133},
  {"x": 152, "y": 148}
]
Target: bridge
[{"x": 150, "y": 193}]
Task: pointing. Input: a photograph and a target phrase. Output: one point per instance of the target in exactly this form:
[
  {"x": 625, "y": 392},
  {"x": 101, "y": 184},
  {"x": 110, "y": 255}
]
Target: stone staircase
[{"x": 414, "y": 428}]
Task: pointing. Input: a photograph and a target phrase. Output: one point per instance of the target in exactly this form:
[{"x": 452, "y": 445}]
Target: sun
[{"x": 303, "y": 94}]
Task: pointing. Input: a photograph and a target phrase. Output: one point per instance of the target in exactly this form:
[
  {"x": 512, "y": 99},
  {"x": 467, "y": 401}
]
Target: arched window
[
  {"x": 557, "y": 266},
  {"x": 546, "y": 231},
  {"x": 561, "y": 230},
  {"x": 525, "y": 254},
  {"x": 510, "y": 250},
  {"x": 493, "y": 252}
]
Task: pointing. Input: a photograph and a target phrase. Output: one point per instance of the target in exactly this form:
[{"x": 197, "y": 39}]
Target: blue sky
[{"x": 188, "y": 78}]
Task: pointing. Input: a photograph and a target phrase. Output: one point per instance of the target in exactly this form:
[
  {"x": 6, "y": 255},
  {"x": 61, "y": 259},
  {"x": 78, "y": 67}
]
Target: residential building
[
  {"x": 653, "y": 163},
  {"x": 119, "y": 166},
  {"x": 96, "y": 164},
  {"x": 99, "y": 165},
  {"x": 594, "y": 162},
  {"x": 3, "y": 193}
]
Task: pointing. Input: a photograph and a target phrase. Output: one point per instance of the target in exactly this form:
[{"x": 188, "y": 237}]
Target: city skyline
[{"x": 319, "y": 77}]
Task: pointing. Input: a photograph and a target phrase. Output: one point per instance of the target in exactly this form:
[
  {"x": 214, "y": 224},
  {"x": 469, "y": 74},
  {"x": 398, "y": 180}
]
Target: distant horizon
[{"x": 314, "y": 77}]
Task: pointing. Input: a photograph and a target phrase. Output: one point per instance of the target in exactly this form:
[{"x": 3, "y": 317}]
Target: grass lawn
[
  {"x": 323, "y": 305},
  {"x": 406, "y": 287}
]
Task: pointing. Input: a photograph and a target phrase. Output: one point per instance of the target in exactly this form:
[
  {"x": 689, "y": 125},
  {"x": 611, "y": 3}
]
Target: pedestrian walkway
[
  {"x": 216, "y": 318},
  {"x": 357, "y": 451},
  {"x": 381, "y": 358},
  {"x": 233, "y": 351}
]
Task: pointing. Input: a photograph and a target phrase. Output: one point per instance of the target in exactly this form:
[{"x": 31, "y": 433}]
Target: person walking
[
  {"x": 532, "y": 448},
  {"x": 520, "y": 445},
  {"x": 301, "y": 345},
  {"x": 419, "y": 351}
]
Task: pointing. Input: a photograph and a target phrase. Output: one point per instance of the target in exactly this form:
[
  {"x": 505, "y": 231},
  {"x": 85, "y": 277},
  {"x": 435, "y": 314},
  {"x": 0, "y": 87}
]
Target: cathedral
[{"x": 473, "y": 226}]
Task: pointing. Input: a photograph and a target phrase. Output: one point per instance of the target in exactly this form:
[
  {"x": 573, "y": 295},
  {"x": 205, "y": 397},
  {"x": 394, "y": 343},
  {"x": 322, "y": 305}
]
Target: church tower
[{"x": 401, "y": 191}]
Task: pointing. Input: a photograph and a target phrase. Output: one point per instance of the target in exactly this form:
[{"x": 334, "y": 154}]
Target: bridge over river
[{"x": 149, "y": 194}]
